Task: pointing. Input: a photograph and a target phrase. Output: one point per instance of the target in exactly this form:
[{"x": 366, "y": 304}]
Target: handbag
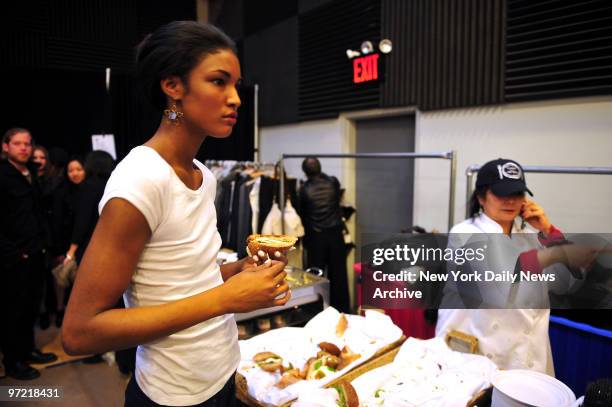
[{"x": 65, "y": 273}]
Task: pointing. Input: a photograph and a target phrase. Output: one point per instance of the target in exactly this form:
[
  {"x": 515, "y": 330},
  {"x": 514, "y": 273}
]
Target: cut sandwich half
[
  {"x": 347, "y": 396},
  {"x": 268, "y": 361},
  {"x": 269, "y": 244}
]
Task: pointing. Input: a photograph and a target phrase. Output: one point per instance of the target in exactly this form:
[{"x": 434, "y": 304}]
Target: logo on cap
[{"x": 510, "y": 170}]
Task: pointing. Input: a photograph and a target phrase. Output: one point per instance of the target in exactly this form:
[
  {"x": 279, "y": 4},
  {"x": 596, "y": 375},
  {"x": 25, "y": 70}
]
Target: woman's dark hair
[
  {"x": 474, "y": 204},
  {"x": 99, "y": 164},
  {"x": 71, "y": 159},
  {"x": 47, "y": 169},
  {"x": 175, "y": 49}
]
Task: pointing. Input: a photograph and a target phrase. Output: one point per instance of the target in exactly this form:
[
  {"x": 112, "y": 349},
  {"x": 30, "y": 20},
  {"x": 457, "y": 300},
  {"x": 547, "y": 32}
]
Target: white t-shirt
[
  {"x": 512, "y": 338},
  {"x": 179, "y": 261}
]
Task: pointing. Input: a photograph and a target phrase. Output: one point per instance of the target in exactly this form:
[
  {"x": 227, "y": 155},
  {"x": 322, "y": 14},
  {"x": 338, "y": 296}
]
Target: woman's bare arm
[{"x": 92, "y": 325}]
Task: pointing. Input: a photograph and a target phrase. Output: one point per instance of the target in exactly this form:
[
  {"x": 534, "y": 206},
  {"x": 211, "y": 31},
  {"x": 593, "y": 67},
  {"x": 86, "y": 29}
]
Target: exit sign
[{"x": 365, "y": 69}]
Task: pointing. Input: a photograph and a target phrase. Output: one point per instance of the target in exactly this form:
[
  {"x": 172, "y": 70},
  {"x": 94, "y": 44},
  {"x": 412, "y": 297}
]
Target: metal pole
[
  {"x": 256, "y": 123},
  {"x": 451, "y": 200},
  {"x": 281, "y": 188},
  {"x": 373, "y": 155},
  {"x": 473, "y": 169},
  {"x": 569, "y": 170},
  {"x": 450, "y": 155},
  {"x": 469, "y": 188}
]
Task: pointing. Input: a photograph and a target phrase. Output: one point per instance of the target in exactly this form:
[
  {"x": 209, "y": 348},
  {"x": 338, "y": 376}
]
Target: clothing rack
[
  {"x": 235, "y": 218},
  {"x": 244, "y": 163},
  {"x": 472, "y": 170},
  {"x": 448, "y": 155}
]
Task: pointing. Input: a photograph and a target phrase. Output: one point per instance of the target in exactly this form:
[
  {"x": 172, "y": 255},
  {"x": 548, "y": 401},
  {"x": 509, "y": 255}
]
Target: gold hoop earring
[{"x": 173, "y": 114}]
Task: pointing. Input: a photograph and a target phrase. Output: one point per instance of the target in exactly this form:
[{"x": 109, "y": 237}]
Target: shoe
[
  {"x": 59, "y": 318},
  {"x": 39, "y": 357},
  {"x": 21, "y": 371},
  {"x": 93, "y": 360},
  {"x": 43, "y": 321}
]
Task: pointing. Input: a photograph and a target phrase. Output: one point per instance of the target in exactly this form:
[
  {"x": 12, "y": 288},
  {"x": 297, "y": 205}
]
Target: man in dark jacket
[
  {"x": 323, "y": 225},
  {"x": 21, "y": 256}
]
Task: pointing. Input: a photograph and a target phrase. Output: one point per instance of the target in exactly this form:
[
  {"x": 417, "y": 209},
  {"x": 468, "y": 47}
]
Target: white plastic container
[{"x": 525, "y": 388}]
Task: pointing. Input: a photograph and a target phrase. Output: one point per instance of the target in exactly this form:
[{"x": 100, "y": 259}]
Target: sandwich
[
  {"x": 347, "y": 356},
  {"x": 319, "y": 368},
  {"x": 329, "y": 348},
  {"x": 288, "y": 378},
  {"x": 269, "y": 244},
  {"x": 347, "y": 396},
  {"x": 268, "y": 361}
]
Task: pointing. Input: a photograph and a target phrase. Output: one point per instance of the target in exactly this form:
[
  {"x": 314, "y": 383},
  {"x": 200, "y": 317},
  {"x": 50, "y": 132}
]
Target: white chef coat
[{"x": 511, "y": 338}]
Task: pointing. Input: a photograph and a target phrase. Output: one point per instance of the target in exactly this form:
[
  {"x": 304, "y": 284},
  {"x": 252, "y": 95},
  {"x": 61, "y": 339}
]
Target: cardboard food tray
[{"x": 382, "y": 357}]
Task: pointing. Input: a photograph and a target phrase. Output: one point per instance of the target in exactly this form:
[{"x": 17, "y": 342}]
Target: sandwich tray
[{"x": 382, "y": 357}]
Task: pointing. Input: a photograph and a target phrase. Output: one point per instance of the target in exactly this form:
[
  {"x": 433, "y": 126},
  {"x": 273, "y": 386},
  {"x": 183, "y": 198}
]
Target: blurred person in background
[
  {"x": 22, "y": 244},
  {"x": 63, "y": 220},
  {"x": 98, "y": 167},
  {"x": 58, "y": 158},
  {"x": 47, "y": 184},
  {"x": 40, "y": 156},
  {"x": 323, "y": 225}
]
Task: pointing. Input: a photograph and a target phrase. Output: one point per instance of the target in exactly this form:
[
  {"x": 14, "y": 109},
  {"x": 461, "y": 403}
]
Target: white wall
[
  {"x": 323, "y": 136},
  {"x": 569, "y": 133},
  {"x": 574, "y": 132}
]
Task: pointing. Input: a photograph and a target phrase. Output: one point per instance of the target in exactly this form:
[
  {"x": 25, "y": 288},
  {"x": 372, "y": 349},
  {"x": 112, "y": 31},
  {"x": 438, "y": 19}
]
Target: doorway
[{"x": 384, "y": 187}]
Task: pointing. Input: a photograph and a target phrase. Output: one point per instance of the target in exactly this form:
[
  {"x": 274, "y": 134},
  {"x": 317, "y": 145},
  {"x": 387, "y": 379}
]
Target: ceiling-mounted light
[
  {"x": 366, "y": 47},
  {"x": 350, "y": 54},
  {"x": 385, "y": 46}
]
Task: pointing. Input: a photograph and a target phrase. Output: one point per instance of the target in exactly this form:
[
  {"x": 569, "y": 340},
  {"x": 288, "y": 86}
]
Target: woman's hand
[
  {"x": 261, "y": 257},
  {"x": 71, "y": 252},
  {"x": 535, "y": 216},
  {"x": 228, "y": 270},
  {"x": 257, "y": 287}
]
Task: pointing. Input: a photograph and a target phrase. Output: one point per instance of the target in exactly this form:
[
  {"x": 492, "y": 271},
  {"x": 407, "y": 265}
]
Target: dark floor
[{"x": 97, "y": 385}]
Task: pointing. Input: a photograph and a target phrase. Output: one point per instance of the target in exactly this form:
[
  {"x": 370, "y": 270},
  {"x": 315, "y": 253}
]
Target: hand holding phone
[{"x": 533, "y": 214}]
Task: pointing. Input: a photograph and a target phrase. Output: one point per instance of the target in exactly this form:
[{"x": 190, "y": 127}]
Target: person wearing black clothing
[
  {"x": 48, "y": 184},
  {"x": 63, "y": 215},
  {"x": 98, "y": 167},
  {"x": 22, "y": 247},
  {"x": 322, "y": 219}
]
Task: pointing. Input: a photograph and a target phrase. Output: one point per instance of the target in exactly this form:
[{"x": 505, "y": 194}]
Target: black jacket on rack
[
  {"x": 233, "y": 205},
  {"x": 224, "y": 205}
]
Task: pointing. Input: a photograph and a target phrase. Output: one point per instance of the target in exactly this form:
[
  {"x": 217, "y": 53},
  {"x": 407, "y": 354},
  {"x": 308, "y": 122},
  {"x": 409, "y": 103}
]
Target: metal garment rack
[
  {"x": 448, "y": 155},
  {"x": 473, "y": 169}
]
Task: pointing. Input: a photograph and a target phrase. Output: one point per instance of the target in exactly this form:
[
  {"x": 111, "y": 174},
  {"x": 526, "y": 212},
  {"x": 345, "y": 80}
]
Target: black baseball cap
[{"x": 504, "y": 177}]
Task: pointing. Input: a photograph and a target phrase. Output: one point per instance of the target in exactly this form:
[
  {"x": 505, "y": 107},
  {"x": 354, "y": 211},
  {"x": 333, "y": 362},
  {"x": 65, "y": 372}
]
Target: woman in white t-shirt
[
  {"x": 156, "y": 241},
  {"x": 512, "y": 338}
]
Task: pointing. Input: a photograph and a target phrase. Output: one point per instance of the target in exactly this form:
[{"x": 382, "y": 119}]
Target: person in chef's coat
[{"x": 512, "y": 338}]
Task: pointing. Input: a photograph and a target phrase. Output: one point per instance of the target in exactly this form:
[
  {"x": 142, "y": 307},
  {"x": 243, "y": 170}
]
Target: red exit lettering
[{"x": 365, "y": 68}]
